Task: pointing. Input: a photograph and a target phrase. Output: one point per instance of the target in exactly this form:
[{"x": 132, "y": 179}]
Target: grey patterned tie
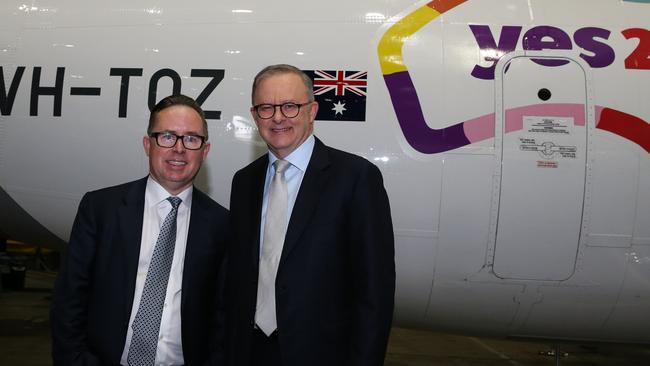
[
  {"x": 275, "y": 228},
  {"x": 146, "y": 324}
]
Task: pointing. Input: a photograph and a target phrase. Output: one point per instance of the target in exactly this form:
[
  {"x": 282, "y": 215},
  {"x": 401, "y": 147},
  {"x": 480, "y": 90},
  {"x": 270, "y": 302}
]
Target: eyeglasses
[
  {"x": 289, "y": 109},
  {"x": 168, "y": 140}
]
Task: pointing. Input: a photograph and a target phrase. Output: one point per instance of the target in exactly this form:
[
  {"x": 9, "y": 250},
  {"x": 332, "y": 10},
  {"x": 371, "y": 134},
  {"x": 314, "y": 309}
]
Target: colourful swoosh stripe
[
  {"x": 400, "y": 86},
  {"x": 626, "y": 125},
  {"x": 431, "y": 141}
]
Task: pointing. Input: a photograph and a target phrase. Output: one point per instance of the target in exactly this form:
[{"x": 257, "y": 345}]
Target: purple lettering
[
  {"x": 547, "y": 38},
  {"x": 490, "y": 51},
  {"x": 603, "y": 54}
]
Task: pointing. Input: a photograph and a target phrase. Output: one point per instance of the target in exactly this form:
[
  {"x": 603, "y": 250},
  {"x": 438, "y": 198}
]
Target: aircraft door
[{"x": 543, "y": 139}]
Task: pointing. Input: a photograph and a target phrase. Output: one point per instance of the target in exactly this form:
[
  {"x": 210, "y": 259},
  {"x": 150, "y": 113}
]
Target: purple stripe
[{"x": 409, "y": 114}]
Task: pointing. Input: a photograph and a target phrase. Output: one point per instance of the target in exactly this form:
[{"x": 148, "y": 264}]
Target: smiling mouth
[
  {"x": 279, "y": 130},
  {"x": 176, "y": 163}
]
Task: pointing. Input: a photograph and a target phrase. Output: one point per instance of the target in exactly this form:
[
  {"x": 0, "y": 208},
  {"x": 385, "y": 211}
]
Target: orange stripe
[{"x": 443, "y": 5}]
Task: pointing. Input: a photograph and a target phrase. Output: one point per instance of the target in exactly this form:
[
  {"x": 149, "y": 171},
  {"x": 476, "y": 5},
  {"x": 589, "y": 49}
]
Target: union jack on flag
[{"x": 341, "y": 95}]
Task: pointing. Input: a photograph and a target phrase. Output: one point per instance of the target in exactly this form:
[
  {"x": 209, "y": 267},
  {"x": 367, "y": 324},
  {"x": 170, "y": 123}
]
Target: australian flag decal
[{"x": 341, "y": 95}]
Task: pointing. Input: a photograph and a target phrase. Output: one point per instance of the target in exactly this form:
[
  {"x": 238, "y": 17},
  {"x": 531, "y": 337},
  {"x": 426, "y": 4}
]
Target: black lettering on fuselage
[
  {"x": 126, "y": 74},
  {"x": 153, "y": 84},
  {"x": 217, "y": 77},
  {"x": 7, "y": 98},
  {"x": 38, "y": 90},
  {"x": 9, "y": 90}
]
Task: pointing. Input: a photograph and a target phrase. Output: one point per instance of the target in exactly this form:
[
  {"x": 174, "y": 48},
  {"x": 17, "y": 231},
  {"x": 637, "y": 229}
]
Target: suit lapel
[
  {"x": 308, "y": 197},
  {"x": 130, "y": 216},
  {"x": 194, "y": 241},
  {"x": 257, "y": 195}
]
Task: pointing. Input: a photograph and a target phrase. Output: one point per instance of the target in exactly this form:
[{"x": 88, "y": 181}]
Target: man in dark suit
[
  {"x": 139, "y": 283},
  {"x": 311, "y": 274}
]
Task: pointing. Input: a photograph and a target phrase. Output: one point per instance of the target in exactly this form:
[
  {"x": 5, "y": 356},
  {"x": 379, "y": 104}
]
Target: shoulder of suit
[
  {"x": 206, "y": 201},
  {"x": 347, "y": 159},
  {"x": 119, "y": 189},
  {"x": 259, "y": 163}
]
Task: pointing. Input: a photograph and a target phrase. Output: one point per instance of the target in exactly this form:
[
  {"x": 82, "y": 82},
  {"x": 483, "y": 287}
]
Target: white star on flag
[{"x": 339, "y": 108}]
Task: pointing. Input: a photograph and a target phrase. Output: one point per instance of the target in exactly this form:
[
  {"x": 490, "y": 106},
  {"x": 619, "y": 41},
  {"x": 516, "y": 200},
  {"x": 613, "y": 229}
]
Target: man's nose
[
  {"x": 178, "y": 146},
  {"x": 277, "y": 114}
]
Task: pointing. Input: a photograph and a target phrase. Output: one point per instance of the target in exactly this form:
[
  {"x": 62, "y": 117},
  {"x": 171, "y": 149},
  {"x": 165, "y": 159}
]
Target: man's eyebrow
[{"x": 197, "y": 133}]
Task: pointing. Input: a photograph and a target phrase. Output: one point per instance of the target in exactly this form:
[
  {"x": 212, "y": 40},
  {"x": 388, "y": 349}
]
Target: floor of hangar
[{"x": 25, "y": 340}]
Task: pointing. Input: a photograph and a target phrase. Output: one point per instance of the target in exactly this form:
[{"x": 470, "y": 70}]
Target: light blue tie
[
  {"x": 275, "y": 228},
  {"x": 146, "y": 324}
]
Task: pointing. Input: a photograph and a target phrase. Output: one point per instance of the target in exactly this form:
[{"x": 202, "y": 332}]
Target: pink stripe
[
  {"x": 599, "y": 111},
  {"x": 515, "y": 116},
  {"x": 482, "y": 128},
  {"x": 479, "y": 129}
]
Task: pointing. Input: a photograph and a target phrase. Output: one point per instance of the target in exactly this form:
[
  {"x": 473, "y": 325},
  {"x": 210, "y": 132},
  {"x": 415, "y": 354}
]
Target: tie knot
[
  {"x": 281, "y": 165},
  {"x": 175, "y": 201}
]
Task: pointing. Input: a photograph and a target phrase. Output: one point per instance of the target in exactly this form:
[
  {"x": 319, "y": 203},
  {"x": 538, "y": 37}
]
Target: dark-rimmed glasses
[
  {"x": 289, "y": 109},
  {"x": 168, "y": 140}
]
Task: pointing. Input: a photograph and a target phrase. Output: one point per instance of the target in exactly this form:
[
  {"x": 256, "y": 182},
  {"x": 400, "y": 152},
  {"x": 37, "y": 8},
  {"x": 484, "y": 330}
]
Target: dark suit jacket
[
  {"x": 336, "y": 277},
  {"x": 94, "y": 292}
]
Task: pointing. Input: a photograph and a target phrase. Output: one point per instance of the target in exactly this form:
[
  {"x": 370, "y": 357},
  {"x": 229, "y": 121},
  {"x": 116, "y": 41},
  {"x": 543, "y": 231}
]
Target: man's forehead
[
  {"x": 287, "y": 77},
  {"x": 179, "y": 120},
  {"x": 285, "y": 82}
]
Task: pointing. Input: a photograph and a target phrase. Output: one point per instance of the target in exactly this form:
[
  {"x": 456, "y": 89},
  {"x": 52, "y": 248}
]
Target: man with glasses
[
  {"x": 140, "y": 280},
  {"x": 311, "y": 273}
]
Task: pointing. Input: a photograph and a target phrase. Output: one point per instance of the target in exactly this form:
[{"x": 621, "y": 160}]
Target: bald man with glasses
[{"x": 311, "y": 272}]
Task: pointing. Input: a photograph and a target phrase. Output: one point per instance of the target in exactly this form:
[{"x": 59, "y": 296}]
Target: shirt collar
[
  {"x": 300, "y": 156},
  {"x": 155, "y": 193}
]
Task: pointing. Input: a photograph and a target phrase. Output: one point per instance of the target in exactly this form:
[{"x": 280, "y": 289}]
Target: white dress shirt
[
  {"x": 299, "y": 160},
  {"x": 156, "y": 208}
]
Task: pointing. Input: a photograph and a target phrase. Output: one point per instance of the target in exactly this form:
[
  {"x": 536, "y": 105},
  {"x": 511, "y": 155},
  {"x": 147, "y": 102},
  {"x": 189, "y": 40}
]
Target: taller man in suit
[
  {"x": 139, "y": 282},
  {"x": 311, "y": 274}
]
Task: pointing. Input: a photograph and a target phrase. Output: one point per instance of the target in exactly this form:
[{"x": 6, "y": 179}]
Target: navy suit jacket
[
  {"x": 336, "y": 278},
  {"x": 94, "y": 292}
]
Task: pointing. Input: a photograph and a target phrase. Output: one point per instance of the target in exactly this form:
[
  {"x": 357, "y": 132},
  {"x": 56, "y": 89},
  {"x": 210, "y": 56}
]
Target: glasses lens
[
  {"x": 166, "y": 139},
  {"x": 290, "y": 110},
  {"x": 192, "y": 142},
  {"x": 265, "y": 110}
]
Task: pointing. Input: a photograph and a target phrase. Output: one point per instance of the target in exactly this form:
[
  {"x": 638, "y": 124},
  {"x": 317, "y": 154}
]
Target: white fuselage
[{"x": 512, "y": 135}]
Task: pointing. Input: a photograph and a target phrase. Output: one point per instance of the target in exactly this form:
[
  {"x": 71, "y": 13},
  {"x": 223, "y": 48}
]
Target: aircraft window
[{"x": 544, "y": 94}]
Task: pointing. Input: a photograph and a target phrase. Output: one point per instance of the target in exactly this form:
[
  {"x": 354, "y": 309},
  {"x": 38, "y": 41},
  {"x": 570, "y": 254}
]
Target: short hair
[
  {"x": 173, "y": 100},
  {"x": 282, "y": 69}
]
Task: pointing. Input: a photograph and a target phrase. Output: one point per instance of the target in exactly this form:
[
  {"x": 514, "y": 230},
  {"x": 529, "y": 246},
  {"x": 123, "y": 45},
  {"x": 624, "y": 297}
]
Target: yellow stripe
[{"x": 390, "y": 46}]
